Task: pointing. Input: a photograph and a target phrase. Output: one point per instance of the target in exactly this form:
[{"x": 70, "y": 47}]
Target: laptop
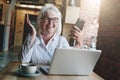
[{"x": 72, "y": 61}]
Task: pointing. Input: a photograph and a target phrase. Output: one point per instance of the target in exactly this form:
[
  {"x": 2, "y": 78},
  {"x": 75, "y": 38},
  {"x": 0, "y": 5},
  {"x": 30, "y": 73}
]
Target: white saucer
[{"x": 37, "y": 73}]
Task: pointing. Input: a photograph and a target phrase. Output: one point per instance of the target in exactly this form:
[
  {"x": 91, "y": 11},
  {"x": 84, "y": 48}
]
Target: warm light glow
[
  {"x": 90, "y": 9},
  {"x": 93, "y": 3},
  {"x": 8, "y": 1},
  {"x": 29, "y": 6}
]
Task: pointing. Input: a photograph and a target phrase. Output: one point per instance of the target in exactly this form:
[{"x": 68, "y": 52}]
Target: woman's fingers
[
  {"x": 33, "y": 31},
  {"x": 27, "y": 19},
  {"x": 75, "y": 32},
  {"x": 76, "y": 35},
  {"x": 76, "y": 28}
]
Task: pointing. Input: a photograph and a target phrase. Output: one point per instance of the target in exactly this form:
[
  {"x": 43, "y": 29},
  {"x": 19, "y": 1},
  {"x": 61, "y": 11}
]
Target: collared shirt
[{"x": 40, "y": 53}]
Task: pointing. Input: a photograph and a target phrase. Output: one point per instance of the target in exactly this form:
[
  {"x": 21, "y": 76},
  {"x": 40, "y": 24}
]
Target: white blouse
[{"x": 40, "y": 53}]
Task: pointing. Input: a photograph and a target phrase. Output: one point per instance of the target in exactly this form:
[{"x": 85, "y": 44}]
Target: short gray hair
[{"x": 54, "y": 9}]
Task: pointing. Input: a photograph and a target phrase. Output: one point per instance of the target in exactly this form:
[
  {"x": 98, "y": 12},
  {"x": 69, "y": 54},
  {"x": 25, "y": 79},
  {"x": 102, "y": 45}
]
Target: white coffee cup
[{"x": 28, "y": 68}]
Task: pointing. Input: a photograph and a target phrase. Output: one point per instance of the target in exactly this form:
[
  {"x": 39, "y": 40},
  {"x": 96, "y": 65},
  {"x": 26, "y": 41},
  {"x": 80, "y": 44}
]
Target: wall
[
  {"x": 109, "y": 40},
  {"x": 89, "y": 12}
]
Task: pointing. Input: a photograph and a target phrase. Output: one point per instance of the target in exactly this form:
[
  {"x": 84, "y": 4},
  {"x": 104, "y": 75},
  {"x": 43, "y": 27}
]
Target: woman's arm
[
  {"x": 27, "y": 50},
  {"x": 33, "y": 31},
  {"x": 27, "y": 47}
]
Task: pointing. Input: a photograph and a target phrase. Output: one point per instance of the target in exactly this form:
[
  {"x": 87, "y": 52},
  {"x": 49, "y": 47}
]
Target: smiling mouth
[{"x": 50, "y": 26}]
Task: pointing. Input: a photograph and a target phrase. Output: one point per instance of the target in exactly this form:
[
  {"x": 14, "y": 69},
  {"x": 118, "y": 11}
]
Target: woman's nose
[{"x": 50, "y": 22}]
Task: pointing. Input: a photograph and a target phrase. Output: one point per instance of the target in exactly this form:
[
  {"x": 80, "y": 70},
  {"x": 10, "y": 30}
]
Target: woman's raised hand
[
  {"x": 77, "y": 35},
  {"x": 33, "y": 30}
]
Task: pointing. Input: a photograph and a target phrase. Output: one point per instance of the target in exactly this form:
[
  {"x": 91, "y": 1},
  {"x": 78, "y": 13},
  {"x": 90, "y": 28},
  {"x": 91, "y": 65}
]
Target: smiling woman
[{"x": 40, "y": 44}]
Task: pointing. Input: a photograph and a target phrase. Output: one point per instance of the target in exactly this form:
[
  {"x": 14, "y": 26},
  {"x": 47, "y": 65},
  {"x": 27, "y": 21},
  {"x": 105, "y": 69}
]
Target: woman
[{"x": 40, "y": 45}]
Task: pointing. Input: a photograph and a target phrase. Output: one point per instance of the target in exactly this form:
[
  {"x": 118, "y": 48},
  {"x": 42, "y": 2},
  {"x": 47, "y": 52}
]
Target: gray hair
[{"x": 55, "y": 10}]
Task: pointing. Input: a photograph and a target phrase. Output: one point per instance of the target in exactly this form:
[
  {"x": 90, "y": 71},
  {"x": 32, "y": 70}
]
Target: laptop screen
[{"x": 73, "y": 61}]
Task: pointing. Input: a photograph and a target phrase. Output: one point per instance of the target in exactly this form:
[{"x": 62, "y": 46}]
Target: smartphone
[{"x": 80, "y": 23}]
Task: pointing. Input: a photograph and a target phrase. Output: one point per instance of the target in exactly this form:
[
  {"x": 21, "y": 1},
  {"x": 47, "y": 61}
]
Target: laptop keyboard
[{"x": 44, "y": 69}]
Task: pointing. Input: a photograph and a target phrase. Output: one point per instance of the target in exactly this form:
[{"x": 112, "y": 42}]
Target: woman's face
[{"x": 49, "y": 23}]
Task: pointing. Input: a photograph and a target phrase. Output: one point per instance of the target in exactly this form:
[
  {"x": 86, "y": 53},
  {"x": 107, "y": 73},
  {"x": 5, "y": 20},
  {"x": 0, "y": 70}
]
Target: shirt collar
[{"x": 41, "y": 39}]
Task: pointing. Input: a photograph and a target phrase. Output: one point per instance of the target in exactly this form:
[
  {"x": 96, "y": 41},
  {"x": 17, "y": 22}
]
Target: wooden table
[{"x": 9, "y": 73}]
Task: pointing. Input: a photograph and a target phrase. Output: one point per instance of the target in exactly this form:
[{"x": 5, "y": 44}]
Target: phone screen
[{"x": 80, "y": 23}]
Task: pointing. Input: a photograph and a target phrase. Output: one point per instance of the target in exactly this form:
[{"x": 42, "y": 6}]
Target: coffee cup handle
[{"x": 19, "y": 67}]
